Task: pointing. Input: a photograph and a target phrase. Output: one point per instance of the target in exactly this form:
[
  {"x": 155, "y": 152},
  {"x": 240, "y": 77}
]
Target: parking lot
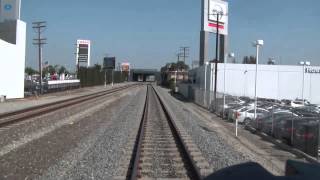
[{"x": 292, "y": 122}]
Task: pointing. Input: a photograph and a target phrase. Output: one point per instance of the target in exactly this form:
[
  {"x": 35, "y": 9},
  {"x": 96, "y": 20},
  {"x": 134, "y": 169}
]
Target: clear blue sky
[{"x": 148, "y": 33}]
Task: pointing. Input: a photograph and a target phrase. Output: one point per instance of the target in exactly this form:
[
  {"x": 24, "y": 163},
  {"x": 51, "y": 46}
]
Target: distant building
[
  {"x": 12, "y": 50},
  {"x": 273, "y": 82}
]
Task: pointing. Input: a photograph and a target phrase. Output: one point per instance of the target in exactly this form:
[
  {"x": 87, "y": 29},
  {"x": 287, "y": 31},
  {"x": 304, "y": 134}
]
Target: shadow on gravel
[{"x": 179, "y": 96}]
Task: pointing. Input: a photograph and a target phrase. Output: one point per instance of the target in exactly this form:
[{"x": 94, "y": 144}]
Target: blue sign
[{"x": 7, "y": 7}]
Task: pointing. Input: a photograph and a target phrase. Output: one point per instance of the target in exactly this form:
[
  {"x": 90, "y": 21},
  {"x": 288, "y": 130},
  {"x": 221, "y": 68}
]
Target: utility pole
[
  {"x": 39, "y": 27},
  {"x": 184, "y": 51},
  {"x": 178, "y": 56}
]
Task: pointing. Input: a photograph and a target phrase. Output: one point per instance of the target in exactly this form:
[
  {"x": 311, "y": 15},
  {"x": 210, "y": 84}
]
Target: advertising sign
[
  {"x": 83, "y": 51},
  {"x": 109, "y": 62},
  {"x": 9, "y": 10},
  {"x": 125, "y": 67},
  {"x": 215, "y": 10}
]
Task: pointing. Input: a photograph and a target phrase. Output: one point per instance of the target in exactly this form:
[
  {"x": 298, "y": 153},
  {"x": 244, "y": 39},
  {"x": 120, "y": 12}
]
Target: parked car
[
  {"x": 306, "y": 102},
  {"x": 286, "y": 126},
  {"x": 243, "y": 99},
  {"x": 311, "y": 109},
  {"x": 306, "y": 111},
  {"x": 286, "y": 102},
  {"x": 227, "y": 107},
  {"x": 247, "y": 115},
  {"x": 295, "y": 103},
  {"x": 232, "y": 112},
  {"x": 307, "y": 137},
  {"x": 267, "y": 123}
]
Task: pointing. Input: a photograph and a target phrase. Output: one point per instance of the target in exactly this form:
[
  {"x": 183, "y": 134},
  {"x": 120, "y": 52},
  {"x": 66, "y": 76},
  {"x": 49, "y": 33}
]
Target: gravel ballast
[
  {"x": 75, "y": 147},
  {"x": 218, "y": 153}
]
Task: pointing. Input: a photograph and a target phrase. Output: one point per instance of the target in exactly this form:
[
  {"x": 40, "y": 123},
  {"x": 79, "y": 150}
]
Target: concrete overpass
[{"x": 144, "y": 75}]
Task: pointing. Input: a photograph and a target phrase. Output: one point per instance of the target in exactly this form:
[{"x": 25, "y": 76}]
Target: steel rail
[
  {"x": 20, "y": 115},
  {"x": 135, "y": 163},
  {"x": 134, "y": 172}
]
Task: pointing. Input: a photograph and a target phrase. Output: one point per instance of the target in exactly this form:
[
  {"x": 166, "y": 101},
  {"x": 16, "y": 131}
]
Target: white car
[
  {"x": 297, "y": 103},
  {"x": 232, "y": 112},
  {"x": 246, "y": 115}
]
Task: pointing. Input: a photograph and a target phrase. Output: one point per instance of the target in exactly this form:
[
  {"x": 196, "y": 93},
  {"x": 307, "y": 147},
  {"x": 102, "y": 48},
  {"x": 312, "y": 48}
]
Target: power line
[
  {"x": 184, "y": 52},
  {"x": 39, "y": 27}
]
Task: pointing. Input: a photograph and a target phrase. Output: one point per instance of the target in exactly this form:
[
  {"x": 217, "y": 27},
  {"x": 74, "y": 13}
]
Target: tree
[
  {"x": 48, "y": 70},
  {"x": 249, "y": 60},
  {"x": 97, "y": 67},
  {"x": 30, "y": 71},
  {"x": 62, "y": 70},
  {"x": 182, "y": 66},
  {"x": 271, "y": 61},
  {"x": 179, "y": 66}
]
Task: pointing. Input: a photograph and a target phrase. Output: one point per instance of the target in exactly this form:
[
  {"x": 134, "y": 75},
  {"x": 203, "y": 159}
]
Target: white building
[
  {"x": 274, "y": 81},
  {"x": 12, "y": 49}
]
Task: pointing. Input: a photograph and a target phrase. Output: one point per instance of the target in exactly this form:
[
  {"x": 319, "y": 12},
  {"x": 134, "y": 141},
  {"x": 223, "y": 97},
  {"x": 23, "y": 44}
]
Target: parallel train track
[{"x": 10, "y": 118}]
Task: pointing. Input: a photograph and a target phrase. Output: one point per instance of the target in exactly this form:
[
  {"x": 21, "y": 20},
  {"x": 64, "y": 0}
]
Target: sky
[{"x": 148, "y": 33}]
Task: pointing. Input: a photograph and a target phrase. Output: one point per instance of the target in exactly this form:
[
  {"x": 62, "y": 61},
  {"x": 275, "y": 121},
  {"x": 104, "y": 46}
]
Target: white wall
[
  {"x": 274, "y": 81},
  {"x": 12, "y": 64}
]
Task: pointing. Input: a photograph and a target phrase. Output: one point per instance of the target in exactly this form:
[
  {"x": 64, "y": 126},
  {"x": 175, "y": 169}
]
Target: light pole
[
  {"x": 205, "y": 83},
  {"x": 304, "y": 64},
  {"x": 230, "y": 55},
  {"x": 256, "y": 44}
]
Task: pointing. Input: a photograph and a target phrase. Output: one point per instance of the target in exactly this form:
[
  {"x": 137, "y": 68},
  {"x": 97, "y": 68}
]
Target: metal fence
[{"x": 295, "y": 125}]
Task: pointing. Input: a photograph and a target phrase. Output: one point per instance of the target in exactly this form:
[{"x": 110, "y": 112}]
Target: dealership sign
[
  {"x": 83, "y": 51},
  {"x": 9, "y": 10},
  {"x": 215, "y": 15},
  {"x": 125, "y": 67},
  {"x": 312, "y": 71}
]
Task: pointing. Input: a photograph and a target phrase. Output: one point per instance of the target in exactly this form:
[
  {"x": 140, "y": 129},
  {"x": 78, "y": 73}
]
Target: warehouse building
[
  {"x": 12, "y": 49},
  {"x": 273, "y": 81}
]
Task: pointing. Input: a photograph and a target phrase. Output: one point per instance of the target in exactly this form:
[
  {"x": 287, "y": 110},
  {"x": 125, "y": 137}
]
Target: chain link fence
[{"x": 292, "y": 122}]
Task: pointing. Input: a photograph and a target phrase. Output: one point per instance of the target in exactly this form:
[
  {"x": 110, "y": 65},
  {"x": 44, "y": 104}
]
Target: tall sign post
[
  {"x": 214, "y": 20},
  {"x": 83, "y": 53},
  {"x": 109, "y": 63},
  {"x": 125, "y": 68}
]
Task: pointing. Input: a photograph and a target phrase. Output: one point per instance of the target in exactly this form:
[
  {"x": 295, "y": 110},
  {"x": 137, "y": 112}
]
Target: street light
[
  {"x": 205, "y": 83},
  {"x": 304, "y": 64},
  {"x": 256, "y": 44},
  {"x": 230, "y": 55}
]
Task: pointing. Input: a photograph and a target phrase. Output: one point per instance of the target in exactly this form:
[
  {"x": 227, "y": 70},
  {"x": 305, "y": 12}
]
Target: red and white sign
[
  {"x": 83, "y": 41},
  {"x": 215, "y": 10},
  {"x": 83, "y": 52},
  {"x": 125, "y": 67}
]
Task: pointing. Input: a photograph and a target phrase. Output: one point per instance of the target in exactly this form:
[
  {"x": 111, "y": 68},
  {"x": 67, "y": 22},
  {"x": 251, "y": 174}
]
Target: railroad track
[
  {"x": 162, "y": 150},
  {"x": 10, "y": 118}
]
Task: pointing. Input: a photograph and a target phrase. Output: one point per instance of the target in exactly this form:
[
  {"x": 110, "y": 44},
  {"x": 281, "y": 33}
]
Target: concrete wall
[
  {"x": 12, "y": 63},
  {"x": 274, "y": 81}
]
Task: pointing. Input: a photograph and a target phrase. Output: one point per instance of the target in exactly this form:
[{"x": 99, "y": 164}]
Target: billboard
[
  {"x": 83, "y": 52},
  {"x": 125, "y": 67},
  {"x": 109, "y": 62},
  {"x": 9, "y": 10},
  {"x": 215, "y": 10}
]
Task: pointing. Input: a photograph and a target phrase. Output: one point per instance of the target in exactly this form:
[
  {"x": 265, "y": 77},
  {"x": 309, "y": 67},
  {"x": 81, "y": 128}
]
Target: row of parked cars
[{"x": 294, "y": 122}]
